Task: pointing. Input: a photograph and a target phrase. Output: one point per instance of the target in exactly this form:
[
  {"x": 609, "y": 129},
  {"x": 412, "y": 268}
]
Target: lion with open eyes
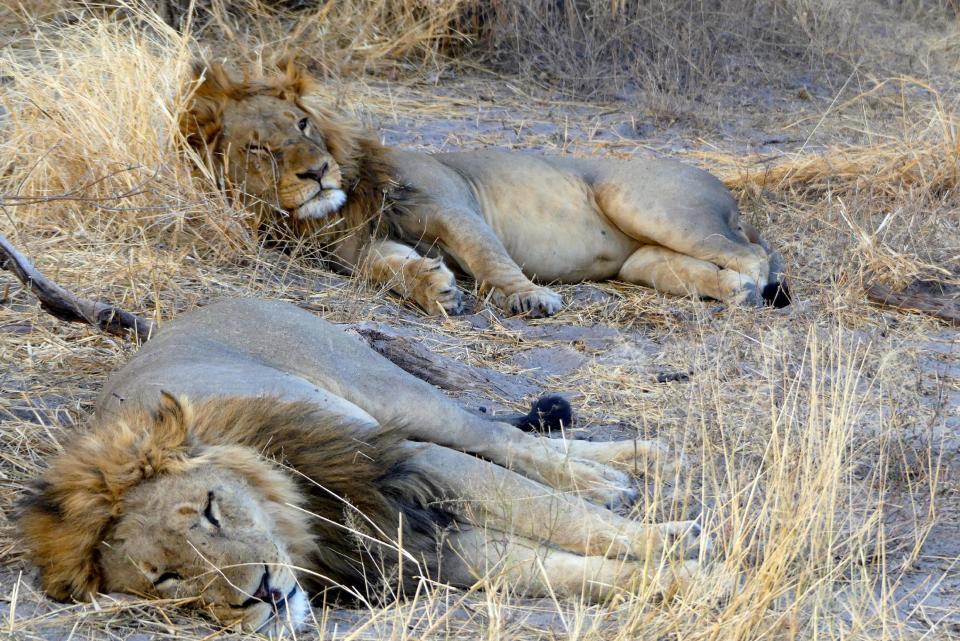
[
  {"x": 251, "y": 454},
  {"x": 403, "y": 219}
]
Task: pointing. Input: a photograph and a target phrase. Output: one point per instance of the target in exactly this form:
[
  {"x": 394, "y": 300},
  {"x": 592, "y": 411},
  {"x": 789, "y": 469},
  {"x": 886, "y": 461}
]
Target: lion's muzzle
[
  {"x": 326, "y": 202},
  {"x": 319, "y": 191},
  {"x": 276, "y": 602}
]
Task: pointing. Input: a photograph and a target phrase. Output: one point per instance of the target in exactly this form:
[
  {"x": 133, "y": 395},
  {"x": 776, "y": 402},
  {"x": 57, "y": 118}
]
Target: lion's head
[
  {"x": 269, "y": 144},
  {"x": 139, "y": 505}
]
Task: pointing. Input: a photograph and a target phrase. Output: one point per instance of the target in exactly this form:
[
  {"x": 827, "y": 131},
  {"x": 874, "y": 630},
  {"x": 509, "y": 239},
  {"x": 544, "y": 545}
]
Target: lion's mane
[{"x": 319, "y": 480}]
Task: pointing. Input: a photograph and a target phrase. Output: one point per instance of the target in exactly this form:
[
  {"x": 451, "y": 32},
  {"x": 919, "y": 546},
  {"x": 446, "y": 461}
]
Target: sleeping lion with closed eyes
[
  {"x": 251, "y": 455},
  {"x": 512, "y": 221}
]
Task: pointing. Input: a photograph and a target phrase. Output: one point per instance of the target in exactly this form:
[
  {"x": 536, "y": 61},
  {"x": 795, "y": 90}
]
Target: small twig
[
  {"x": 946, "y": 309},
  {"x": 66, "y": 305},
  {"x": 75, "y": 193}
]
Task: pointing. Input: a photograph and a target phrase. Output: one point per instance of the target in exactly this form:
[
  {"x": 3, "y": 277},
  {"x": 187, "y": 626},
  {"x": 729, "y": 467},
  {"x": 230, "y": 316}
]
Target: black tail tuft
[
  {"x": 546, "y": 414},
  {"x": 777, "y": 294}
]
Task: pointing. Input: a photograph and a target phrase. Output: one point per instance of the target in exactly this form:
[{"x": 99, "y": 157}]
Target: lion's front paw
[
  {"x": 601, "y": 484},
  {"x": 537, "y": 303},
  {"x": 680, "y": 539},
  {"x": 436, "y": 285}
]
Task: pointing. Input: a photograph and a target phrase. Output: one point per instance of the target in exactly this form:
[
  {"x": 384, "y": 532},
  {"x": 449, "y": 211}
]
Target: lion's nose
[
  {"x": 266, "y": 593},
  {"x": 314, "y": 174}
]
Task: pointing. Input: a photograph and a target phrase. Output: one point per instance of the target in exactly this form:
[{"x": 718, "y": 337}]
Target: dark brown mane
[{"x": 369, "y": 483}]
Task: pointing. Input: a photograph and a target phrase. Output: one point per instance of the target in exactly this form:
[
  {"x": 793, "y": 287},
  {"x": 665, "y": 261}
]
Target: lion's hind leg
[
  {"x": 537, "y": 570},
  {"x": 633, "y": 454},
  {"x": 674, "y": 273},
  {"x": 691, "y": 214}
]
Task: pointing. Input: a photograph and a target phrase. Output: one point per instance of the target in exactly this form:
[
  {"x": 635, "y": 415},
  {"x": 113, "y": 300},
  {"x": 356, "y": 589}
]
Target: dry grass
[{"x": 821, "y": 438}]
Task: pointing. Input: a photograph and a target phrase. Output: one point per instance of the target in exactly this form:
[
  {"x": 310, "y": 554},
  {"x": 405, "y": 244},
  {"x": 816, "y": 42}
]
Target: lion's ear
[
  {"x": 172, "y": 422},
  {"x": 296, "y": 81},
  {"x": 202, "y": 119},
  {"x": 215, "y": 82}
]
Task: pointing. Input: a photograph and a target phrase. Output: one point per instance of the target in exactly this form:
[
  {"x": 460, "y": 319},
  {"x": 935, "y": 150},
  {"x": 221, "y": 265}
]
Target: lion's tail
[{"x": 548, "y": 413}]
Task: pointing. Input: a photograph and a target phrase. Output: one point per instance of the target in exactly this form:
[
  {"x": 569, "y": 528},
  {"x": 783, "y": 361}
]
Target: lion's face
[
  {"x": 267, "y": 143},
  {"x": 205, "y": 534},
  {"x": 274, "y": 148},
  {"x": 140, "y": 505}
]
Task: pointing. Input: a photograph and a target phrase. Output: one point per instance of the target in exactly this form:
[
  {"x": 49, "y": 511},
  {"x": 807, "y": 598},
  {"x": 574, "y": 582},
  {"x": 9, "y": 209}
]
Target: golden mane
[
  {"x": 66, "y": 515},
  {"x": 368, "y": 176}
]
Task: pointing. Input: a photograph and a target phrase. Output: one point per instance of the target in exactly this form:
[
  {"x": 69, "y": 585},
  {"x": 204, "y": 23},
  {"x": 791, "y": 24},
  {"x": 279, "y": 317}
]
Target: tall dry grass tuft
[
  {"x": 797, "y": 516},
  {"x": 344, "y": 38},
  {"x": 90, "y": 137}
]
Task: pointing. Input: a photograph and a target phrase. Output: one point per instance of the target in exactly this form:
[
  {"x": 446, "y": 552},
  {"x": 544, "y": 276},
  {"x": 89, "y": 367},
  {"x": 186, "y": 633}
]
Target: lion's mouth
[
  {"x": 324, "y": 203},
  {"x": 291, "y": 610}
]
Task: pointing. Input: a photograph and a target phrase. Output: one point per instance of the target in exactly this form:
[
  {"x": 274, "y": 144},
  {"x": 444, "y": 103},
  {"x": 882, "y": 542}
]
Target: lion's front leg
[
  {"x": 538, "y": 570},
  {"x": 491, "y": 496},
  {"x": 475, "y": 246},
  {"x": 426, "y": 281}
]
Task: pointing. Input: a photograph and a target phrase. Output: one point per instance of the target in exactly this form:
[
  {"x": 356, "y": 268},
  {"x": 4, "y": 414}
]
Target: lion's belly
[
  {"x": 563, "y": 246},
  {"x": 550, "y": 223}
]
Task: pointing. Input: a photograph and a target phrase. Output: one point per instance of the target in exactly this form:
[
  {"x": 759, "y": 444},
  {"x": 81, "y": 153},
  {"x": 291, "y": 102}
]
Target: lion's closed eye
[
  {"x": 167, "y": 580},
  {"x": 212, "y": 511}
]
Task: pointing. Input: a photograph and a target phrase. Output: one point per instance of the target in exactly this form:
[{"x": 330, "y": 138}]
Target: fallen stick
[
  {"x": 946, "y": 309},
  {"x": 66, "y": 305},
  {"x": 410, "y": 356},
  {"x": 445, "y": 373}
]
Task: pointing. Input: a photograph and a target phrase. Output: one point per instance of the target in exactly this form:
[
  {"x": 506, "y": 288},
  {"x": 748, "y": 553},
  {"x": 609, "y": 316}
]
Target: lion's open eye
[
  {"x": 212, "y": 511},
  {"x": 167, "y": 580},
  {"x": 303, "y": 124}
]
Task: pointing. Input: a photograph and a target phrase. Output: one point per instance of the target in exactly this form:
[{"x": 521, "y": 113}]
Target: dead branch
[
  {"x": 946, "y": 309},
  {"x": 445, "y": 373},
  {"x": 66, "y": 305}
]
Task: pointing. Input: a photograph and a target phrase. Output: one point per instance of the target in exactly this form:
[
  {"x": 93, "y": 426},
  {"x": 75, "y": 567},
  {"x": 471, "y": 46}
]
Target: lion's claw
[{"x": 537, "y": 303}]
